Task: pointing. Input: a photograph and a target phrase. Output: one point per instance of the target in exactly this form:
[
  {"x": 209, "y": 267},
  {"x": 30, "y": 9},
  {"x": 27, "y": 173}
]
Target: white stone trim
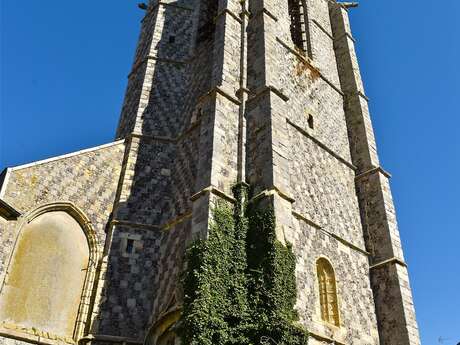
[{"x": 68, "y": 155}]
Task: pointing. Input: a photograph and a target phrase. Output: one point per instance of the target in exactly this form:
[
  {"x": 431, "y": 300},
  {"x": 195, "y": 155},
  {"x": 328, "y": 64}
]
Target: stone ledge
[
  {"x": 230, "y": 13},
  {"x": 347, "y": 5},
  {"x": 152, "y": 138},
  {"x": 219, "y": 90},
  {"x": 146, "y": 59},
  {"x": 347, "y": 34},
  {"x": 68, "y": 155},
  {"x": 4, "y": 177},
  {"x": 336, "y": 237},
  {"x": 32, "y": 335},
  {"x": 309, "y": 62},
  {"x": 267, "y": 88},
  {"x": 323, "y": 146},
  {"x": 373, "y": 171},
  {"x": 7, "y": 212},
  {"x": 167, "y": 139},
  {"x": 152, "y": 227},
  {"x": 262, "y": 12},
  {"x": 119, "y": 222},
  {"x": 357, "y": 93},
  {"x": 323, "y": 29},
  {"x": 215, "y": 191},
  {"x": 109, "y": 339},
  {"x": 325, "y": 338},
  {"x": 269, "y": 192},
  {"x": 168, "y": 4},
  {"x": 391, "y": 261},
  {"x": 297, "y": 54},
  {"x": 176, "y": 221}
]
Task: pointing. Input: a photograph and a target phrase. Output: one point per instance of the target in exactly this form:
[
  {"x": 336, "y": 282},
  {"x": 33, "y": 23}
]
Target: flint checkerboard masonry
[{"x": 264, "y": 92}]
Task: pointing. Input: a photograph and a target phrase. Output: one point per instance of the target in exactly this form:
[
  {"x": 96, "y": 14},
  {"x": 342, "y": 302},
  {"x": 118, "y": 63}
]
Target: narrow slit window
[
  {"x": 327, "y": 292},
  {"x": 172, "y": 39},
  {"x": 311, "y": 122},
  {"x": 130, "y": 246}
]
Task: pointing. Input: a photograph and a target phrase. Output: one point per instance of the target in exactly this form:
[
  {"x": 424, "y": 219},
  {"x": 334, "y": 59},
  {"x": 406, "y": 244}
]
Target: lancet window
[
  {"x": 299, "y": 25},
  {"x": 327, "y": 292}
]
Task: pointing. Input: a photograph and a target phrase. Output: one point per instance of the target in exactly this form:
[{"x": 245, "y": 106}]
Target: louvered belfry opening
[{"x": 299, "y": 34}]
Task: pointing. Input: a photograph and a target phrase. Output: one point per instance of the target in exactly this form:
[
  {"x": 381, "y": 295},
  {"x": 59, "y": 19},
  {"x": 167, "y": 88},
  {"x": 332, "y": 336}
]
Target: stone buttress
[
  {"x": 311, "y": 152},
  {"x": 222, "y": 92}
]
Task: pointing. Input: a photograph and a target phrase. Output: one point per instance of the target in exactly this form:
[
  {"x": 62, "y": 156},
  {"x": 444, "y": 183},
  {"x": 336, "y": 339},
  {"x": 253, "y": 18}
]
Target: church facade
[{"x": 263, "y": 92}]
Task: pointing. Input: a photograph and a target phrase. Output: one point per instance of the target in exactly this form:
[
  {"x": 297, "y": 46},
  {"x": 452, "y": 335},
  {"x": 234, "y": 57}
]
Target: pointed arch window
[
  {"x": 327, "y": 292},
  {"x": 299, "y": 26}
]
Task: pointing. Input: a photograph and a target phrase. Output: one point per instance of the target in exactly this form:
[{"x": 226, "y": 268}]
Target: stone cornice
[
  {"x": 8, "y": 212},
  {"x": 373, "y": 171},
  {"x": 266, "y": 89},
  {"x": 226, "y": 11},
  {"x": 68, "y": 155},
  {"x": 325, "y": 338},
  {"x": 170, "y": 140},
  {"x": 322, "y": 29},
  {"x": 391, "y": 261},
  {"x": 263, "y": 11},
  {"x": 152, "y": 227},
  {"x": 269, "y": 192},
  {"x": 329, "y": 233},
  {"x": 322, "y": 145},
  {"x": 309, "y": 62},
  {"x": 221, "y": 91},
  {"x": 212, "y": 190}
]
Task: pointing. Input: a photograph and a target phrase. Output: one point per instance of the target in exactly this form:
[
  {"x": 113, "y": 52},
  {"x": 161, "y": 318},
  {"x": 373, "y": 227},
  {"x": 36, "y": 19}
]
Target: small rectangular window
[
  {"x": 311, "y": 122},
  {"x": 129, "y": 246}
]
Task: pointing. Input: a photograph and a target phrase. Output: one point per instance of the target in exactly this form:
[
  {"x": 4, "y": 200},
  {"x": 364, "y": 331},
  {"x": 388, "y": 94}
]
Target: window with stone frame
[
  {"x": 327, "y": 292},
  {"x": 299, "y": 26}
]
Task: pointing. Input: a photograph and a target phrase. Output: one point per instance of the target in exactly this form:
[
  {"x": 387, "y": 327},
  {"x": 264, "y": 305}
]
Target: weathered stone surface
[{"x": 219, "y": 94}]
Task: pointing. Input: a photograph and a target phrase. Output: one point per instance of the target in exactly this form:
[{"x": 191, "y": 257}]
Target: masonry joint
[
  {"x": 330, "y": 234},
  {"x": 322, "y": 145}
]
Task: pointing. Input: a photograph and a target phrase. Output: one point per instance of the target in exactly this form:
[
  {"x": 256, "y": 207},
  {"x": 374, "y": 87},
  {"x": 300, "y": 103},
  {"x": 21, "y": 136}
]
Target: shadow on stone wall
[{"x": 158, "y": 179}]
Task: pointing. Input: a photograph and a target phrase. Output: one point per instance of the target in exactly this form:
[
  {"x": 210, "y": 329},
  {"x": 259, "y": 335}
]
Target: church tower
[{"x": 261, "y": 93}]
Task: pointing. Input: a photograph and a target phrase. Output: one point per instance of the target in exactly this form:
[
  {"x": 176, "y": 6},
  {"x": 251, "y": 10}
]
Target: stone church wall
[
  {"x": 179, "y": 125},
  {"x": 88, "y": 179},
  {"x": 356, "y": 305},
  {"x": 126, "y": 283},
  {"x": 8, "y": 236},
  {"x": 326, "y": 216}
]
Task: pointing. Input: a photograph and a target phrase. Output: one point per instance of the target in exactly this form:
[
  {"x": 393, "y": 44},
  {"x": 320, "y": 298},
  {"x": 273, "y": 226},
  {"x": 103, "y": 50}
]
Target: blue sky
[{"x": 63, "y": 73}]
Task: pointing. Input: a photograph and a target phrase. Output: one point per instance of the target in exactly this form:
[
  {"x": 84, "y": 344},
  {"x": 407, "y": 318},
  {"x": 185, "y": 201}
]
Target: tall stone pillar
[
  {"x": 220, "y": 106},
  {"x": 151, "y": 216},
  {"x": 388, "y": 271},
  {"x": 267, "y": 132}
]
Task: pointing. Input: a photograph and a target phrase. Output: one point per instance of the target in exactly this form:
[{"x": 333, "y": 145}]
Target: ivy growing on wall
[{"x": 239, "y": 283}]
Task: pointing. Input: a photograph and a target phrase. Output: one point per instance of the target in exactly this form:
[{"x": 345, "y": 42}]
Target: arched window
[
  {"x": 163, "y": 331},
  {"x": 327, "y": 292},
  {"x": 49, "y": 272},
  {"x": 168, "y": 338},
  {"x": 299, "y": 25}
]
